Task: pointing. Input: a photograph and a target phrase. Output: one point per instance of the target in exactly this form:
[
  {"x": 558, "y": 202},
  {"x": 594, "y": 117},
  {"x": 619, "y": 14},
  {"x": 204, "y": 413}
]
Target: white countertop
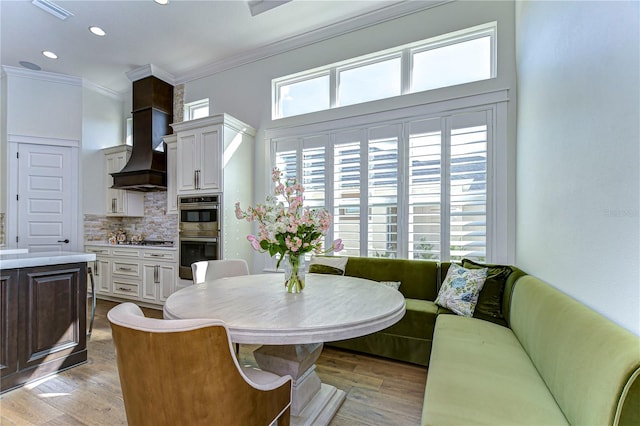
[
  {"x": 28, "y": 260},
  {"x": 257, "y": 309}
]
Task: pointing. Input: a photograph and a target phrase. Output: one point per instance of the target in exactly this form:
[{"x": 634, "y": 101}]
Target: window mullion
[
  {"x": 406, "y": 72},
  {"x": 403, "y": 190},
  {"x": 445, "y": 200},
  {"x": 364, "y": 192},
  {"x": 333, "y": 87},
  {"x": 329, "y": 177}
]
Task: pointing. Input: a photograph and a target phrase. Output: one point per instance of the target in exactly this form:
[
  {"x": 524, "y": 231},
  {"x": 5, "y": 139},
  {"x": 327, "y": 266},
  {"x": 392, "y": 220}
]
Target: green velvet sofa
[
  {"x": 553, "y": 361},
  {"x": 557, "y": 363},
  {"x": 409, "y": 339}
]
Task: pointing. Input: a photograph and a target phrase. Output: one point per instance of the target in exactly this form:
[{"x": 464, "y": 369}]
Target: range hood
[{"x": 146, "y": 169}]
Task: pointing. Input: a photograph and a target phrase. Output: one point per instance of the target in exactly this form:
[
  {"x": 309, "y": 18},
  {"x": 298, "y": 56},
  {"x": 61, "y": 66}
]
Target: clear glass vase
[{"x": 294, "y": 270}]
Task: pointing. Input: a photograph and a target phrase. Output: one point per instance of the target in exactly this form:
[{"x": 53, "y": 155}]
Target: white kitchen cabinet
[
  {"x": 172, "y": 161},
  {"x": 120, "y": 202},
  {"x": 159, "y": 274},
  {"x": 199, "y": 160},
  {"x": 101, "y": 268},
  {"x": 203, "y": 148},
  {"x": 144, "y": 275}
]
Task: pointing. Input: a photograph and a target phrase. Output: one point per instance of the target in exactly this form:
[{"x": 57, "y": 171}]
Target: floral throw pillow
[{"x": 460, "y": 289}]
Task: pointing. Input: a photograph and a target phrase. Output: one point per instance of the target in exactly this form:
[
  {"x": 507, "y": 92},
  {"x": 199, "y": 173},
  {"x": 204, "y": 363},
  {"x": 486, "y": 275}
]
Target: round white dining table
[{"x": 293, "y": 327}]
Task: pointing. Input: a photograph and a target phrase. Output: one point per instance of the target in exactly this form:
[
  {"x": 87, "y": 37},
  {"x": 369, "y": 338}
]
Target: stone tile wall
[
  {"x": 155, "y": 225},
  {"x": 1, "y": 229}
]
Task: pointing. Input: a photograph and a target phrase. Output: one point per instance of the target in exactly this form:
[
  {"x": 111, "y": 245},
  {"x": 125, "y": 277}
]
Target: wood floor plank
[{"x": 379, "y": 391}]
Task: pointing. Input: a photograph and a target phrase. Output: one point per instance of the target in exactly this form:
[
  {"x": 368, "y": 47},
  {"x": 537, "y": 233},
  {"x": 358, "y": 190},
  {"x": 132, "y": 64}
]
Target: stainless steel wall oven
[{"x": 199, "y": 229}]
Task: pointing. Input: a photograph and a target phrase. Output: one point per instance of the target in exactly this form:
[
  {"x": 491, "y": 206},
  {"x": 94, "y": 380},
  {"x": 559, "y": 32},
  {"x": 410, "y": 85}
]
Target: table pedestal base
[{"x": 312, "y": 402}]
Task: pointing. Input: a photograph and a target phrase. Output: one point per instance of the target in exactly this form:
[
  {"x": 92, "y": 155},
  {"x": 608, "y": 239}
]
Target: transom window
[
  {"x": 197, "y": 109},
  {"x": 451, "y": 59}
]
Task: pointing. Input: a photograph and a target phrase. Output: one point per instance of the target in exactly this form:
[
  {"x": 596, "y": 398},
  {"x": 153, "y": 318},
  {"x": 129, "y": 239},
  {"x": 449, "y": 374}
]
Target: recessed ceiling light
[
  {"x": 49, "y": 54},
  {"x": 97, "y": 31},
  {"x": 30, "y": 65},
  {"x": 162, "y": 1}
]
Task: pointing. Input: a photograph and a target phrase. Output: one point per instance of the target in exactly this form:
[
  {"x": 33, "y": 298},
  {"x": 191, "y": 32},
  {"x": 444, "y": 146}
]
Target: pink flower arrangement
[{"x": 288, "y": 227}]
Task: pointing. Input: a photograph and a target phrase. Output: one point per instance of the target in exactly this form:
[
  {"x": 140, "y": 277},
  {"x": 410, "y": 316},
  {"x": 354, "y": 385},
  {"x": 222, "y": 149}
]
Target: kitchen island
[{"x": 43, "y": 305}]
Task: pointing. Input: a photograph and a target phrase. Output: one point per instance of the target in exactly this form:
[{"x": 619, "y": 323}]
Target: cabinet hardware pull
[
  {"x": 125, "y": 289},
  {"x": 114, "y": 205},
  {"x": 96, "y": 269},
  {"x": 156, "y": 279},
  {"x": 124, "y": 269},
  {"x": 156, "y": 255}
]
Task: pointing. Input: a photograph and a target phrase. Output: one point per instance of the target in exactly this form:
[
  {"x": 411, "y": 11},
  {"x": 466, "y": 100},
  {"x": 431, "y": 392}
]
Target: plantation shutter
[{"x": 468, "y": 186}]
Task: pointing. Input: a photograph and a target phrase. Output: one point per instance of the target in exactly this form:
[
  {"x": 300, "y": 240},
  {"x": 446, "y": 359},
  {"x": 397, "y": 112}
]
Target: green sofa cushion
[
  {"x": 589, "y": 363},
  {"x": 480, "y": 375},
  {"x": 419, "y": 320},
  {"x": 418, "y": 278}
]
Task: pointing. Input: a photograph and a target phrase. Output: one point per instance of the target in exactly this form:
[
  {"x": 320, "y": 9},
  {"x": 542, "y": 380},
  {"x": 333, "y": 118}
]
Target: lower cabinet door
[
  {"x": 158, "y": 281},
  {"x": 8, "y": 322},
  {"x": 53, "y": 317}
]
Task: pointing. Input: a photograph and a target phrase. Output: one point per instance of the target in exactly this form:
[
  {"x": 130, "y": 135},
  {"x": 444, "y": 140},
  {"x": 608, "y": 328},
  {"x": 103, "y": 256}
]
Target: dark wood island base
[{"x": 42, "y": 322}]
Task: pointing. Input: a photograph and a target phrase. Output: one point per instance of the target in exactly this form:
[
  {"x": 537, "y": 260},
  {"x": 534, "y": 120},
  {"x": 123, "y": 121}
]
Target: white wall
[
  {"x": 102, "y": 127},
  {"x": 578, "y": 185},
  {"x": 43, "y": 105},
  {"x": 245, "y": 91}
]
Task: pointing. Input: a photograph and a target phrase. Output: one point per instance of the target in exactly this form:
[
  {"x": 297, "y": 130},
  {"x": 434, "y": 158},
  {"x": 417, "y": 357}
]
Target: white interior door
[{"x": 47, "y": 198}]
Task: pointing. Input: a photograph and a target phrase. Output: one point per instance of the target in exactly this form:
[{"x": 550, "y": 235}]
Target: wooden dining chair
[
  {"x": 207, "y": 270},
  {"x": 184, "y": 372}
]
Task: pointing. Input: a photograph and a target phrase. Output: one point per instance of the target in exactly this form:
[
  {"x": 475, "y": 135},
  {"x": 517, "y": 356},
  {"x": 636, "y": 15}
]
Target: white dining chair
[{"x": 207, "y": 270}]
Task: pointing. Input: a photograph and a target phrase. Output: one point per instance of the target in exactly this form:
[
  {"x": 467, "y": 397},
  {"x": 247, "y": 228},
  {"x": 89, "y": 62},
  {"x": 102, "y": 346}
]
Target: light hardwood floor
[{"x": 379, "y": 391}]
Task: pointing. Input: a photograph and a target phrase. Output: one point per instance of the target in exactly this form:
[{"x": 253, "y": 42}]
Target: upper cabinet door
[
  {"x": 210, "y": 176},
  {"x": 120, "y": 202},
  {"x": 199, "y": 160},
  {"x": 188, "y": 161}
]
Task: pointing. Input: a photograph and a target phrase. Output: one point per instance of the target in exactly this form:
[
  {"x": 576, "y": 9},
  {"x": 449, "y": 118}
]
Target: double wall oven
[{"x": 199, "y": 229}]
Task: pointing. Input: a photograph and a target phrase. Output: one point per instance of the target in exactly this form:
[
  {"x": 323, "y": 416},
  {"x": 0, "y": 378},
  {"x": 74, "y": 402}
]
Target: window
[
  {"x": 415, "y": 187},
  {"x": 452, "y": 64},
  {"x": 197, "y": 109},
  {"x": 455, "y": 58},
  {"x": 362, "y": 83},
  {"x": 303, "y": 96}
]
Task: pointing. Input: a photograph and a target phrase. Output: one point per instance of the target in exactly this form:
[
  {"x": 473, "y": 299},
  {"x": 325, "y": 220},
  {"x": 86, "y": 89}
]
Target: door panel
[{"x": 46, "y": 198}]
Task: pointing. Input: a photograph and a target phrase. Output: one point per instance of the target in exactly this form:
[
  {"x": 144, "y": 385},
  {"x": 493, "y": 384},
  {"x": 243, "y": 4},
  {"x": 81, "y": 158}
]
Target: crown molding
[
  {"x": 102, "y": 90},
  {"x": 346, "y": 26},
  {"x": 42, "y": 75},
  {"x": 151, "y": 70}
]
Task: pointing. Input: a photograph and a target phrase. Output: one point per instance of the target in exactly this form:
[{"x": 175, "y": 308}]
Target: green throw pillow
[
  {"x": 460, "y": 289},
  {"x": 489, "y": 307},
  {"x": 332, "y": 265}
]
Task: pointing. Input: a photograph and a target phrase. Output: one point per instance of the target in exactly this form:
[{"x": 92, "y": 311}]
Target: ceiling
[{"x": 187, "y": 39}]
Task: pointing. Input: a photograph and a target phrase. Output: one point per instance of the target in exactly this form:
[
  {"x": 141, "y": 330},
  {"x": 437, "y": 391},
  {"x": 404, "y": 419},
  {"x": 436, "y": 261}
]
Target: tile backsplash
[
  {"x": 155, "y": 225},
  {"x": 1, "y": 229}
]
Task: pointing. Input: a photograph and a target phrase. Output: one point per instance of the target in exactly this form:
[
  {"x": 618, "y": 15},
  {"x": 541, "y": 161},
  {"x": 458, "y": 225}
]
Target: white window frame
[
  {"x": 405, "y": 52},
  {"x": 191, "y": 107}
]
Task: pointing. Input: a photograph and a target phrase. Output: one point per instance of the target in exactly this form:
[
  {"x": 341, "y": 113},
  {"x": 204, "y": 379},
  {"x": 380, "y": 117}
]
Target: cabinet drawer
[
  {"x": 160, "y": 255},
  {"x": 125, "y": 288},
  {"x": 100, "y": 251},
  {"x": 125, "y": 252},
  {"x": 129, "y": 269}
]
